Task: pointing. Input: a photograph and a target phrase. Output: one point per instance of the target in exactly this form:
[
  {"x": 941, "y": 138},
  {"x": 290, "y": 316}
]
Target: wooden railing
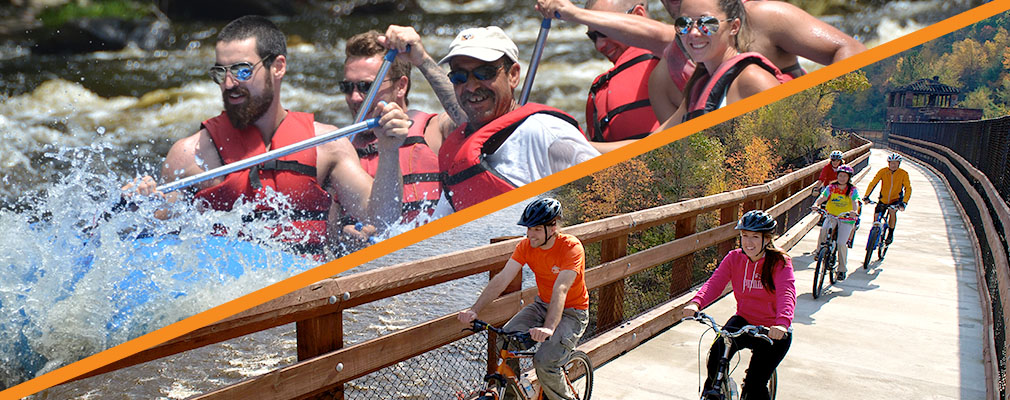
[
  {"x": 988, "y": 218},
  {"x": 325, "y": 365}
]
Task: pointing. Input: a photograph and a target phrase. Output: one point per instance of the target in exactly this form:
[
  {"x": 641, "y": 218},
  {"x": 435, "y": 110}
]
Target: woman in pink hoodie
[{"x": 763, "y": 285}]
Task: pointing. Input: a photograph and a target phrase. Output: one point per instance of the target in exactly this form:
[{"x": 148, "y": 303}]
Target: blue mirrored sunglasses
[
  {"x": 706, "y": 25},
  {"x": 242, "y": 71}
]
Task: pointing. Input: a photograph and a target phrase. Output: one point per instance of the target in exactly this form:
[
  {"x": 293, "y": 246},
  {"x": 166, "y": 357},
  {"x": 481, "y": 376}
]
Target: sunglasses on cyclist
[
  {"x": 706, "y": 25},
  {"x": 242, "y": 71},
  {"x": 347, "y": 87},
  {"x": 593, "y": 35},
  {"x": 482, "y": 73}
]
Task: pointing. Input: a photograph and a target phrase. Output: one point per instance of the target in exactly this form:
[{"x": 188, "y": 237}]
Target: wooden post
[
  {"x": 680, "y": 274},
  {"x": 321, "y": 335},
  {"x": 610, "y": 309},
  {"x": 727, "y": 215},
  {"x": 749, "y": 205},
  {"x": 514, "y": 286}
]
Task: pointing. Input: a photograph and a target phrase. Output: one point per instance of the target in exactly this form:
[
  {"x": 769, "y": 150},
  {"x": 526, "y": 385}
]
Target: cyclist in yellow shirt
[
  {"x": 895, "y": 189},
  {"x": 841, "y": 199}
]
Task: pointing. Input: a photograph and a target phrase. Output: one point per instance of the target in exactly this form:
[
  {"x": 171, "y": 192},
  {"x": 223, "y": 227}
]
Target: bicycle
[
  {"x": 578, "y": 370},
  {"x": 827, "y": 252},
  {"x": 876, "y": 239},
  {"x": 724, "y": 387}
]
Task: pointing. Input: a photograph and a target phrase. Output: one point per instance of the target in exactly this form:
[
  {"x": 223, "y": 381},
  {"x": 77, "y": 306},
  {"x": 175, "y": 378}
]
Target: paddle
[
  {"x": 126, "y": 203},
  {"x": 538, "y": 51},
  {"x": 270, "y": 155},
  {"x": 387, "y": 61}
]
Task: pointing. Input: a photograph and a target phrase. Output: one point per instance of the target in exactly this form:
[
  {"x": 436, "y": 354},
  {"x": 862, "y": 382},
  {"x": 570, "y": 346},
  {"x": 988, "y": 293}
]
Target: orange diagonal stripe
[{"x": 215, "y": 314}]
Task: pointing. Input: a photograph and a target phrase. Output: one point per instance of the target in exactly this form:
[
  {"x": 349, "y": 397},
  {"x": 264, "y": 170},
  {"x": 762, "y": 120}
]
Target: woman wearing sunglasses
[{"x": 712, "y": 31}]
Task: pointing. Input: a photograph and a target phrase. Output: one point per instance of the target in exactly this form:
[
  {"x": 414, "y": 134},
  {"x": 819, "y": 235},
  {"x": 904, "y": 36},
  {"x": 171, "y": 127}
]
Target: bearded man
[{"x": 251, "y": 60}]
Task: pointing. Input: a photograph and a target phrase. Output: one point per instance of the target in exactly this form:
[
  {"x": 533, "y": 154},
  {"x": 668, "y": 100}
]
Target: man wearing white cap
[{"x": 502, "y": 145}]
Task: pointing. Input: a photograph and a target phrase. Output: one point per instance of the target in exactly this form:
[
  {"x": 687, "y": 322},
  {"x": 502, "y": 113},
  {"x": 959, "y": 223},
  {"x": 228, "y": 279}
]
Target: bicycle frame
[
  {"x": 719, "y": 385},
  {"x": 504, "y": 376},
  {"x": 876, "y": 237},
  {"x": 497, "y": 382}
]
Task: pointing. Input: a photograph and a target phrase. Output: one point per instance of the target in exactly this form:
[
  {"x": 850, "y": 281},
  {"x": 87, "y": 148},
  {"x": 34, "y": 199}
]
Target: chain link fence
[
  {"x": 456, "y": 370},
  {"x": 986, "y": 132}
]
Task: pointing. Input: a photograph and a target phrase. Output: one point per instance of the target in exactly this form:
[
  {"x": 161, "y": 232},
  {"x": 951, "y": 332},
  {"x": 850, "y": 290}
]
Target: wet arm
[
  {"x": 444, "y": 91},
  {"x": 664, "y": 96},
  {"x": 752, "y": 80},
  {"x": 797, "y": 32},
  {"x": 630, "y": 29},
  {"x": 674, "y": 119}
]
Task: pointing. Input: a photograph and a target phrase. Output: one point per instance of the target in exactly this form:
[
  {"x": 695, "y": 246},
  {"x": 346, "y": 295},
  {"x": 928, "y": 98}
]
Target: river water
[{"x": 75, "y": 127}]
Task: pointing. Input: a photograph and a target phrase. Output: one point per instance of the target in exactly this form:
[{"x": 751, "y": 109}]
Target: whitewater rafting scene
[{"x": 85, "y": 265}]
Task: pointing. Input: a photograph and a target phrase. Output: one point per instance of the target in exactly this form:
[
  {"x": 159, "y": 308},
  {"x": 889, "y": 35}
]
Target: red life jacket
[
  {"x": 618, "y": 106},
  {"x": 677, "y": 64},
  {"x": 293, "y": 175},
  {"x": 422, "y": 183},
  {"x": 469, "y": 178},
  {"x": 708, "y": 92}
]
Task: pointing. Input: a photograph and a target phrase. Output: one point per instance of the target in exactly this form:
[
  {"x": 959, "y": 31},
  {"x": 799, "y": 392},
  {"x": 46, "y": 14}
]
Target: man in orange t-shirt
[{"x": 558, "y": 261}]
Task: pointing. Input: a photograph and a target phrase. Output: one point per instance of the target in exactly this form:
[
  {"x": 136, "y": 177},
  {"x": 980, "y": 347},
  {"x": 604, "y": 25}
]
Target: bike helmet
[
  {"x": 540, "y": 212},
  {"x": 836, "y": 155},
  {"x": 756, "y": 221},
  {"x": 894, "y": 157},
  {"x": 846, "y": 169}
]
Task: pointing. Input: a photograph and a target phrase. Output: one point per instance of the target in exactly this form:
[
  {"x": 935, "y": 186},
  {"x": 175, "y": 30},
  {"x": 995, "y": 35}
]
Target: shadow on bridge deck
[{"x": 909, "y": 327}]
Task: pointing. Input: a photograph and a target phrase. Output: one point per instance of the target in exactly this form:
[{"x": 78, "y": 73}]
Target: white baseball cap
[{"x": 485, "y": 44}]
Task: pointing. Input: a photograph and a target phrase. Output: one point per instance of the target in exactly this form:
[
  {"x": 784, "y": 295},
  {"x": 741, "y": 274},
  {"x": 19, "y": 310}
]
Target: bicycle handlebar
[
  {"x": 891, "y": 207},
  {"x": 757, "y": 331},
  {"x": 848, "y": 214},
  {"x": 524, "y": 338}
]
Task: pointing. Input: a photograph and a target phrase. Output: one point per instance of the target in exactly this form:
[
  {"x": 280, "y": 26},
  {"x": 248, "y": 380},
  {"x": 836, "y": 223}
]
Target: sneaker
[
  {"x": 840, "y": 276},
  {"x": 890, "y": 238}
]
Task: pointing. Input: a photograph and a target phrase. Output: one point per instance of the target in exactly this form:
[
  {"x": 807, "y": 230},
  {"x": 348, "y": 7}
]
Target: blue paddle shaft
[
  {"x": 538, "y": 51},
  {"x": 270, "y": 155},
  {"x": 387, "y": 62}
]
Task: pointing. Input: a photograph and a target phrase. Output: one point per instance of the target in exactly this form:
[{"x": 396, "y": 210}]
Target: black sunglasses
[
  {"x": 347, "y": 87},
  {"x": 706, "y": 25},
  {"x": 242, "y": 71},
  {"x": 593, "y": 35},
  {"x": 482, "y": 73}
]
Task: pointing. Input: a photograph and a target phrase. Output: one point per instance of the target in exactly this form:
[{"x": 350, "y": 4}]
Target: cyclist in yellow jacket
[{"x": 895, "y": 189}]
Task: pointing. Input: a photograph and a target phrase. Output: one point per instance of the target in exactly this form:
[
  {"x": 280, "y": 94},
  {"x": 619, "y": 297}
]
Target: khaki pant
[
  {"x": 844, "y": 229},
  {"x": 553, "y": 353}
]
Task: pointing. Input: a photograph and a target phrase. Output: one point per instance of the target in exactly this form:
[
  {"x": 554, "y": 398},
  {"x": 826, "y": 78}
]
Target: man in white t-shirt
[{"x": 502, "y": 145}]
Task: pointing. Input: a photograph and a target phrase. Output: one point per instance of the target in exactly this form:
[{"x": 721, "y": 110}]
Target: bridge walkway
[{"x": 910, "y": 327}]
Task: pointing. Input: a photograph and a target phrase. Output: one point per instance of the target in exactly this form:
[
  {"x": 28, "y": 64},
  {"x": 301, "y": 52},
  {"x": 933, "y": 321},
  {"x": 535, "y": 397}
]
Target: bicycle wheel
[
  {"x": 830, "y": 269},
  {"x": 871, "y": 244},
  {"x": 512, "y": 391},
  {"x": 578, "y": 372},
  {"x": 882, "y": 245},
  {"x": 822, "y": 260},
  {"x": 773, "y": 385},
  {"x": 728, "y": 389}
]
